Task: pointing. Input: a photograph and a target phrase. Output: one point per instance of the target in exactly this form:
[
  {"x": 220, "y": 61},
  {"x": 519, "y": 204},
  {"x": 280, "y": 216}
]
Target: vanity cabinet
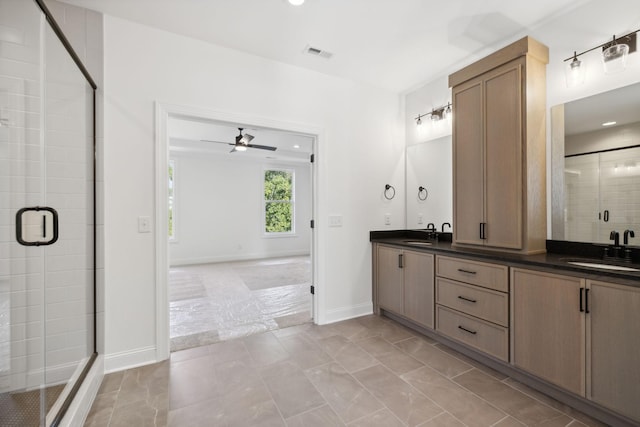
[
  {"x": 548, "y": 327},
  {"x": 579, "y": 334},
  {"x": 499, "y": 143},
  {"x": 472, "y": 304},
  {"x": 404, "y": 283},
  {"x": 613, "y": 347}
]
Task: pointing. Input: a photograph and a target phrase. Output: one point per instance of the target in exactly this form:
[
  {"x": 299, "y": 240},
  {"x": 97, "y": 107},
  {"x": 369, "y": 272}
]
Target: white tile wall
[
  {"x": 598, "y": 182},
  {"x": 45, "y": 319}
]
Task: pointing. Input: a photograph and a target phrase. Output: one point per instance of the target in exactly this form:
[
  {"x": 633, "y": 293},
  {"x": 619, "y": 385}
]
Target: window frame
[
  {"x": 171, "y": 202},
  {"x": 292, "y": 202}
]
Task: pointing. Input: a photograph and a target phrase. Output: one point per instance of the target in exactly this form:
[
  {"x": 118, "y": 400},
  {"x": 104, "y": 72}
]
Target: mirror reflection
[
  {"x": 601, "y": 168},
  {"x": 429, "y": 166}
]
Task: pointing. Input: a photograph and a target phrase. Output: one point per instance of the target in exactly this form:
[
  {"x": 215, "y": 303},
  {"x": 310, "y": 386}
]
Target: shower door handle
[{"x": 37, "y": 226}]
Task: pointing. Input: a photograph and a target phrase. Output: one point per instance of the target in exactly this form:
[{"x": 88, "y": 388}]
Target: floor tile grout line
[{"x": 494, "y": 406}]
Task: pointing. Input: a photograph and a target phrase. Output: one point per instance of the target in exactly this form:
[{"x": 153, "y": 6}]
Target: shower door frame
[{"x": 76, "y": 59}]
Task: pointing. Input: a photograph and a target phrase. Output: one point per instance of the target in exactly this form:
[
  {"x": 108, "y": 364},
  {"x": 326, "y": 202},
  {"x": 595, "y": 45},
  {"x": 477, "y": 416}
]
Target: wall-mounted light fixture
[
  {"x": 614, "y": 58},
  {"x": 436, "y": 113}
]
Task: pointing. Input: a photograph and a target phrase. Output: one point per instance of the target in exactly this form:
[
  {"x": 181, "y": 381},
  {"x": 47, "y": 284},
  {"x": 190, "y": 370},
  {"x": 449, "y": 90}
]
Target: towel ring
[
  {"x": 388, "y": 187},
  {"x": 422, "y": 193}
]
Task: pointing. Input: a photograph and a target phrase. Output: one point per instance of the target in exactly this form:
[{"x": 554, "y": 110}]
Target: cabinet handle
[
  {"x": 606, "y": 216},
  {"x": 400, "y": 261},
  {"x": 466, "y": 271},
  {"x": 581, "y": 302},
  {"x": 467, "y": 330},
  {"x": 466, "y": 299},
  {"x": 586, "y": 301}
]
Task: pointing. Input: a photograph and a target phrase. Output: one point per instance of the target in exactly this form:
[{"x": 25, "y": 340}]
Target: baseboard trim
[
  {"x": 235, "y": 257},
  {"x": 79, "y": 409},
  {"x": 345, "y": 313},
  {"x": 129, "y": 359}
]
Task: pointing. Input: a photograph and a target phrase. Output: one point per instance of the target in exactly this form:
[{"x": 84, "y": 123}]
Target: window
[
  {"x": 172, "y": 200},
  {"x": 279, "y": 201}
]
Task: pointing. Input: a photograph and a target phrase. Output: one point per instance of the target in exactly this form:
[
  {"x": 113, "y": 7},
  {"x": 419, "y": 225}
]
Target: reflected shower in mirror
[
  {"x": 596, "y": 166},
  {"x": 429, "y": 166}
]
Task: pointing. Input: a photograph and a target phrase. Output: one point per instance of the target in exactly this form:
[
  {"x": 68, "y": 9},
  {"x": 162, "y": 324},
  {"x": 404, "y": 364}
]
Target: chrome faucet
[{"x": 445, "y": 223}]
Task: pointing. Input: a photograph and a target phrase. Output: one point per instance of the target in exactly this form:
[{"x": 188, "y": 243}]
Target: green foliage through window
[
  {"x": 171, "y": 199},
  {"x": 278, "y": 201}
]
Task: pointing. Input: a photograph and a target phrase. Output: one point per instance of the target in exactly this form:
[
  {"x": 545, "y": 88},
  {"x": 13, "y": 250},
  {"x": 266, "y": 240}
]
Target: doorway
[{"x": 227, "y": 273}]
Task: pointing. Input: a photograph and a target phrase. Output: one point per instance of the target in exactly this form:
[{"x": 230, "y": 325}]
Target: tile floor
[
  {"x": 368, "y": 372},
  {"x": 221, "y": 301}
]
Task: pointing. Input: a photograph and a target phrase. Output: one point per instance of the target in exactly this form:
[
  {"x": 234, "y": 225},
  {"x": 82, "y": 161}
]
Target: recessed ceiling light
[
  {"x": 296, "y": 146},
  {"x": 609, "y": 123},
  {"x": 296, "y": 2}
]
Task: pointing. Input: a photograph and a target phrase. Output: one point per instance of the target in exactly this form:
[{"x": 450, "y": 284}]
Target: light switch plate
[
  {"x": 387, "y": 219},
  {"x": 144, "y": 224},
  {"x": 335, "y": 220},
  {"x": 420, "y": 218}
]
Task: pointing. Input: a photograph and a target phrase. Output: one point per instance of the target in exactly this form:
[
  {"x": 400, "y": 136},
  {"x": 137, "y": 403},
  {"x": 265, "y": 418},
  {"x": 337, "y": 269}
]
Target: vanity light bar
[{"x": 436, "y": 113}]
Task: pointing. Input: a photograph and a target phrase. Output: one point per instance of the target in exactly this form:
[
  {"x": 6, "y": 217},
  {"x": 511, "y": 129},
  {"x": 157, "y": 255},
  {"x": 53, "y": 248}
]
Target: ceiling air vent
[{"x": 318, "y": 52}]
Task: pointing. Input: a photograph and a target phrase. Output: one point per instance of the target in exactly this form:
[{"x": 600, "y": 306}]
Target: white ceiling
[
  {"x": 393, "y": 44},
  {"x": 201, "y": 136},
  {"x": 588, "y": 114}
]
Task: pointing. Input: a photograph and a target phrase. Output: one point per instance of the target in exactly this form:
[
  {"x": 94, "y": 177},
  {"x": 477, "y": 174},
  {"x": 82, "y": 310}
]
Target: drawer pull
[
  {"x": 467, "y": 330},
  {"x": 466, "y": 299},
  {"x": 466, "y": 271}
]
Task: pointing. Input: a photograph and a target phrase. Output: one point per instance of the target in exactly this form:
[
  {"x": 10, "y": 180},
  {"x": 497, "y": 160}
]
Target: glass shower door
[{"x": 46, "y": 219}]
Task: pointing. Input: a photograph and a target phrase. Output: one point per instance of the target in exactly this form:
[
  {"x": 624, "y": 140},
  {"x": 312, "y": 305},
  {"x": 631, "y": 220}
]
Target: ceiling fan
[{"x": 242, "y": 143}]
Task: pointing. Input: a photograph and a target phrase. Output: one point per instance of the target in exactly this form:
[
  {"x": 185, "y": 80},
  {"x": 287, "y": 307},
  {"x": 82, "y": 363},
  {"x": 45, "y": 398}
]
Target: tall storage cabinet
[{"x": 499, "y": 144}]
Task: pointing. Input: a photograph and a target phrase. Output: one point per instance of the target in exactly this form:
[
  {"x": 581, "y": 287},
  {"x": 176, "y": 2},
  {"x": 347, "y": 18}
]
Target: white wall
[
  {"x": 587, "y": 25},
  {"x": 219, "y": 209},
  {"x": 360, "y": 150},
  {"x": 603, "y": 139}
]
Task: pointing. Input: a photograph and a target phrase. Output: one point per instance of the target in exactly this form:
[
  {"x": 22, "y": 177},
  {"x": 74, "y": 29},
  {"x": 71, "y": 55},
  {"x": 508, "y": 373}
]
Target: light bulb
[{"x": 575, "y": 72}]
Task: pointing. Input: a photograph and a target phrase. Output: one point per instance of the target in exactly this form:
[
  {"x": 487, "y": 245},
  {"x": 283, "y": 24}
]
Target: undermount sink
[
  {"x": 417, "y": 242},
  {"x": 595, "y": 264}
]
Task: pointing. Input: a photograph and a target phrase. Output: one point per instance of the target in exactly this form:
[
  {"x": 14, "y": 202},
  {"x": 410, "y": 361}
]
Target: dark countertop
[{"x": 553, "y": 262}]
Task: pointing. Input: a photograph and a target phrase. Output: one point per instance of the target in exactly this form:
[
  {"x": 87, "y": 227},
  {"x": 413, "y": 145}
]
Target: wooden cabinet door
[
  {"x": 548, "y": 328},
  {"x": 419, "y": 287},
  {"x": 468, "y": 169},
  {"x": 613, "y": 350},
  {"x": 503, "y": 156},
  {"x": 390, "y": 279}
]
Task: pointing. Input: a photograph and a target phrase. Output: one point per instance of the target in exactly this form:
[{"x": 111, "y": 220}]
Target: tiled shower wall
[
  {"x": 45, "y": 320},
  {"x": 598, "y": 182}
]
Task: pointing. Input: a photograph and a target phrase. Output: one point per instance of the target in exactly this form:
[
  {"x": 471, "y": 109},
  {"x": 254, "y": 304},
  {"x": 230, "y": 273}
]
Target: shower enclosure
[{"x": 47, "y": 218}]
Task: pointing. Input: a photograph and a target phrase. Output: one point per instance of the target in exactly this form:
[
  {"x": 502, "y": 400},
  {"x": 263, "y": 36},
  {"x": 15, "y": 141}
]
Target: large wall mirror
[
  {"x": 429, "y": 188},
  {"x": 596, "y": 166}
]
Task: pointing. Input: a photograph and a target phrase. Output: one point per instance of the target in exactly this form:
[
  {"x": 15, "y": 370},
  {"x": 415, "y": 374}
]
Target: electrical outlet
[
  {"x": 387, "y": 219},
  {"x": 420, "y": 218}
]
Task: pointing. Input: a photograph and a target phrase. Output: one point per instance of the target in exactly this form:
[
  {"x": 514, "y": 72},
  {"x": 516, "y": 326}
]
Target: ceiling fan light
[
  {"x": 241, "y": 148},
  {"x": 296, "y": 2}
]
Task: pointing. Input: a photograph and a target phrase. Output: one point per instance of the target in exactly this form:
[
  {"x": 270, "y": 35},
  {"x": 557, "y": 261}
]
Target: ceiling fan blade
[
  {"x": 217, "y": 142},
  {"x": 262, "y": 147}
]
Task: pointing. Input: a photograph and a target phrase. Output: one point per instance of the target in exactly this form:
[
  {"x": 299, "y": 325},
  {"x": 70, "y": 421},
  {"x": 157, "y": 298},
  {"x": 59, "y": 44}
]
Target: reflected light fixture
[
  {"x": 614, "y": 58},
  {"x": 436, "y": 114},
  {"x": 611, "y": 123},
  {"x": 296, "y": 2}
]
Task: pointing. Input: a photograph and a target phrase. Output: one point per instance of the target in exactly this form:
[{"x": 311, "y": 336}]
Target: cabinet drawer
[
  {"x": 492, "y": 276},
  {"x": 484, "y": 336},
  {"x": 479, "y": 302}
]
